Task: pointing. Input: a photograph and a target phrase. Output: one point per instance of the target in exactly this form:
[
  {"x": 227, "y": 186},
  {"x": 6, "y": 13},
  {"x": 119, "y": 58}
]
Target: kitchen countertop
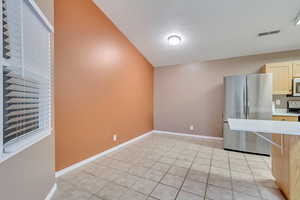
[
  {"x": 265, "y": 126},
  {"x": 285, "y": 158},
  {"x": 283, "y": 112}
]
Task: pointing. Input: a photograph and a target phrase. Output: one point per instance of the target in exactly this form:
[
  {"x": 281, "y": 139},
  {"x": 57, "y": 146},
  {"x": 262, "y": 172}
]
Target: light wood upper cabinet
[
  {"x": 282, "y": 76},
  {"x": 296, "y": 69}
]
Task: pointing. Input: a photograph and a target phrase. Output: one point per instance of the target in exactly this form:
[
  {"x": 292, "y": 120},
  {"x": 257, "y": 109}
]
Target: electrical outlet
[
  {"x": 115, "y": 137},
  {"x": 277, "y": 102},
  {"x": 191, "y": 127}
]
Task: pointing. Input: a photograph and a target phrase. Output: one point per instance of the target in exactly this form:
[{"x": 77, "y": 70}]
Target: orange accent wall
[{"x": 103, "y": 85}]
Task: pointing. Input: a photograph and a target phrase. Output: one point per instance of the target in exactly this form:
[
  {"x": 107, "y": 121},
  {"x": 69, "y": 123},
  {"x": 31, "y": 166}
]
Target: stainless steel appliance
[
  {"x": 294, "y": 106},
  {"x": 247, "y": 97},
  {"x": 296, "y": 87}
]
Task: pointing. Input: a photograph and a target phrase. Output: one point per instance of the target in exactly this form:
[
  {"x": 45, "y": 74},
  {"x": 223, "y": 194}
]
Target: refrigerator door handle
[
  {"x": 248, "y": 110},
  {"x": 245, "y": 101}
]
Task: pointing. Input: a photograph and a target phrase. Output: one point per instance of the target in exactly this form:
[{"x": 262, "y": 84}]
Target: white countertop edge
[
  {"x": 285, "y": 114},
  {"x": 265, "y": 126}
]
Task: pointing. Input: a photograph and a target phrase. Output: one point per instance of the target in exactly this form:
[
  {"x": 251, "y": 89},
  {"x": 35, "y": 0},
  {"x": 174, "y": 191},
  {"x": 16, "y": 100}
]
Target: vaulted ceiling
[{"x": 210, "y": 29}]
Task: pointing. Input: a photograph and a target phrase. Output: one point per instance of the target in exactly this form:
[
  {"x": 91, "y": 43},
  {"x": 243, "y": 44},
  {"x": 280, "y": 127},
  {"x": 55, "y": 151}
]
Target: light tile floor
[{"x": 168, "y": 167}]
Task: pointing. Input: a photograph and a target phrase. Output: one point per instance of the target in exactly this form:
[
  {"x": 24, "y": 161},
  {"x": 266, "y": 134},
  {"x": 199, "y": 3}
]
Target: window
[{"x": 26, "y": 73}]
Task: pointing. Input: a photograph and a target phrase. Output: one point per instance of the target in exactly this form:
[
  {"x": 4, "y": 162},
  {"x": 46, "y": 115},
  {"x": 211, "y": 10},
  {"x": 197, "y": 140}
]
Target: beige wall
[
  {"x": 103, "y": 85},
  {"x": 30, "y": 174},
  {"x": 192, "y": 94}
]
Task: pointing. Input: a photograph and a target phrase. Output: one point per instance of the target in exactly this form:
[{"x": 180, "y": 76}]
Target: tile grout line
[
  {"x": 163, "y": 177},
  {"x": 159, "y": 182},
  {"x": 231, "y": 181},
  {"x": 252, "y": 173},
  {"x": 186, "y": 175},
  {"x": 149, "y": 195},
  {"x": 179, "y": 189},
  {"x": 128, "y": 173},
  {"x": 209, "y": 171}
]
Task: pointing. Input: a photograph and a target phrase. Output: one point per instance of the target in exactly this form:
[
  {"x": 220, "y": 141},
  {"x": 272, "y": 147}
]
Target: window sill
[{"x": 19, "y": 146}]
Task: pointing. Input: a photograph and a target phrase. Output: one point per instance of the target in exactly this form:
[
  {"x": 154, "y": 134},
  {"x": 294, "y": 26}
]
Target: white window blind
[
  {"x": 26, "y": 71},
  {"x": 6, "y": 49}
]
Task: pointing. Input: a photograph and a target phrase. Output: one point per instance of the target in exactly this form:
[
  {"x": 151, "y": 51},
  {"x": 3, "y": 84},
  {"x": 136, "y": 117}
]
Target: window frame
[
  {"x": 1, "y": 83},
  {"x": 32, "y": 138}
]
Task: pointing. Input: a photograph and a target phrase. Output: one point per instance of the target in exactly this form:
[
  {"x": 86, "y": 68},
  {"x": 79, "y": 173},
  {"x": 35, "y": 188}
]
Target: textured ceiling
[{"x": 211, "y": 29}]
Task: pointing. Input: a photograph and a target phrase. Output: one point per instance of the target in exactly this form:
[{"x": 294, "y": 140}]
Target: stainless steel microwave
[{"x": 296, "y": 88}]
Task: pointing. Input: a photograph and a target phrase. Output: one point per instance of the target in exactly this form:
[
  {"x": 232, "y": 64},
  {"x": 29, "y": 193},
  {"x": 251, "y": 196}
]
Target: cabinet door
[
  {"x": 286, "y": 163},
  {"x": 296, "y": 69},
  {"x": 282, "y": 77},
  {"x": 280, "y": 164},
  {"x": 280, "y": 161}
]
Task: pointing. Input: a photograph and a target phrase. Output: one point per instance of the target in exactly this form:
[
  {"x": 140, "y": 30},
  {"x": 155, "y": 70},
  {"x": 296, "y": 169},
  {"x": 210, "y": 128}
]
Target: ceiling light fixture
[
  {"x": 298, "y": 20},
  {"x": 174, "y": 40}
]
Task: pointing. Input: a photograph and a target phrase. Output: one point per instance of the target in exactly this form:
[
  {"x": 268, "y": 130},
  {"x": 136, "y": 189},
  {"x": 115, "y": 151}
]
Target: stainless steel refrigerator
[{"x": 247, "y": 97}]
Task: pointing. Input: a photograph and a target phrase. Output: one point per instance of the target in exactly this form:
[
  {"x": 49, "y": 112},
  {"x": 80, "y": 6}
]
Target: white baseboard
[
  {"x": 187, "y": 134},
  {"x": 52, "y": 191},
  {"x": 86, "y": 161}
]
